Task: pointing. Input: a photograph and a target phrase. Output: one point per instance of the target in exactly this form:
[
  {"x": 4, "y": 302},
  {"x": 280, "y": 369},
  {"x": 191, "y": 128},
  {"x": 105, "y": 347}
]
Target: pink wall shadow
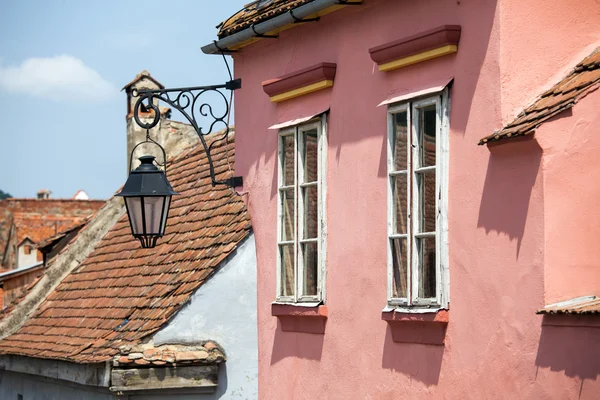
[{"x": 512, "y": 171}]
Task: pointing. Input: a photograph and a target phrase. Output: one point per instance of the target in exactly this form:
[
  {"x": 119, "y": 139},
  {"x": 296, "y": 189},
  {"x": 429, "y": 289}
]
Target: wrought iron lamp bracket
[
  {"x": 187, "y": 102},
  {"x": 149, "y": 140}
]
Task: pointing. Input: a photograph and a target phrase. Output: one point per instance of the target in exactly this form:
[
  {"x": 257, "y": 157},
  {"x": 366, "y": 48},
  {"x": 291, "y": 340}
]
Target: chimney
[
  {"x": 174, "y": 136},
  {"x": 135, "y": 134},
  {"x": 44, "y": 194}
]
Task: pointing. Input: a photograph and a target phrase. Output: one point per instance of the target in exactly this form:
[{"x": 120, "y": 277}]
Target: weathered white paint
[{"x": 223, "y": 309}]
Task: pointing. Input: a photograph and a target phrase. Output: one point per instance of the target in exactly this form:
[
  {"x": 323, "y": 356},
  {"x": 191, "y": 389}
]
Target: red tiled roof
[
  {"x": 584, "y": 79},
  {"x": 38, "y": 219},
  {"x": 52, "y": 240},
  {"x": 122, "y": 293},
  {"x": 49, "y": 243},
  {"x": 40, "y": 227},
  {"x": 255, "y": 12}
]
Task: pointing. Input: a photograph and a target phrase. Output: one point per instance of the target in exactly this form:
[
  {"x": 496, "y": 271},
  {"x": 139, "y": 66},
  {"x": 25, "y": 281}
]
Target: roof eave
[{"x": 227, "y": 43}]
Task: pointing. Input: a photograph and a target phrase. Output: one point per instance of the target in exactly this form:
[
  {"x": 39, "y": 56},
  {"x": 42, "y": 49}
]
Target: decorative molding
[
  {"x": 423, "y": 46},
  {"x": 298, "y": 83}
]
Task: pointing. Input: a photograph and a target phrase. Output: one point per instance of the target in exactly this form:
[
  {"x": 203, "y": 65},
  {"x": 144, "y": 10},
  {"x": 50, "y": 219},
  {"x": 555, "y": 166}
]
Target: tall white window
[
  {"x": 417, "y": 203},
  {"x": 300, "y": 226}
]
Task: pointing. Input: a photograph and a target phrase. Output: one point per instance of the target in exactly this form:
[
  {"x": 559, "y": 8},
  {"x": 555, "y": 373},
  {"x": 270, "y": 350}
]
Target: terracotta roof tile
[
  {"x": 584, "y": 79},
  {"x": 170, "y": 355},
  {"x": 122, "y": 293},
  {"x": 255, "y": 12},
  {"x": 39, "y": 219}
]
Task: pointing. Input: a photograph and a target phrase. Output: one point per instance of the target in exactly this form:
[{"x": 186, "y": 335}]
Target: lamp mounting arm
[{"x": 192, "y": 104}]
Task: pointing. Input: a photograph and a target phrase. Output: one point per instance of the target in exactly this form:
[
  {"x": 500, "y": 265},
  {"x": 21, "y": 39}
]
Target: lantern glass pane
[
  {"x": 153, "y": 210},
  {"x": 165, "y": 214},
  {"x": 134, "y": 208}
]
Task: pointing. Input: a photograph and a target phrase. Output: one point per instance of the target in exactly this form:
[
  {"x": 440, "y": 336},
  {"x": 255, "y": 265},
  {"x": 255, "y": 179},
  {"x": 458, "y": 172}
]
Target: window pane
[
  {"x": 287, "y": 160},
  {"x": 310, "y": 212},
  {"x": 399, "y": 264},
  {"x": 288, "y": 215},
  {"x": 400, "y": 141},
  {"x": 287, "y": 269},
  {"x": 310, "y": 156},
  {"x": 427, "y": 129},
  {"x": 311, "y": 257},
  {"x": 165, "y": 212},
  {"x": 426, "y": 186},
  {"x": 399, "y": 193},
  {"x": 427, "y": 277}
]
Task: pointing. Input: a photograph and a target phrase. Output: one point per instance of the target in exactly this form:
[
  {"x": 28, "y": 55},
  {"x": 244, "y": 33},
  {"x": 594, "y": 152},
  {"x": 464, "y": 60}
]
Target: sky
[{"x": 62, "y": 66}]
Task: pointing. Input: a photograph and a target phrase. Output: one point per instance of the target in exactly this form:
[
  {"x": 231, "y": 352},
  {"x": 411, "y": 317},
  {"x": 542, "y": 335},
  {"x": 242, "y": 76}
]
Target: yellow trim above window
[
  {"x": 420, "y": 57},
  {"x": 301, "y": 91}
]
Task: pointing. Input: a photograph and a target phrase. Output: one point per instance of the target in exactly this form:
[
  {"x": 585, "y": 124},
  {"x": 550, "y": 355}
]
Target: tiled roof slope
[
  {"x": 256, "y": 12},
  {"x": 41, "y": 227},
  {"x": 52, "y": 246},
  {"x": 38, "y": 219},
  {"x": 562, "y": 96},
  {"x": 122, "y": 293}
]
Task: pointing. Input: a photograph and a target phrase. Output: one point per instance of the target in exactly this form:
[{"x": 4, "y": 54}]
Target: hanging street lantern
[{"x": 147, "y": 194}]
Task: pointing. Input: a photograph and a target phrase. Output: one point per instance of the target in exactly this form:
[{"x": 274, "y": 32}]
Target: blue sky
[{"x": 62, "y": 65}]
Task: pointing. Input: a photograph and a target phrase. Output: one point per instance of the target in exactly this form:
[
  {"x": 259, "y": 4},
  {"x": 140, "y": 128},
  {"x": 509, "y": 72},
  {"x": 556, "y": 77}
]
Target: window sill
[
  {"x": 300, "y": 318},
  {"x": 426, "y": 326}
]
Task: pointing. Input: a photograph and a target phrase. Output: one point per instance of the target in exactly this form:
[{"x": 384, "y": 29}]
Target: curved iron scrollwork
[{"x": 189, "y": 102}]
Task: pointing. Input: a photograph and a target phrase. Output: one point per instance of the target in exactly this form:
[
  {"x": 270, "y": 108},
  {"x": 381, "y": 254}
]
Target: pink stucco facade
[{"x": 523, "y": 218}]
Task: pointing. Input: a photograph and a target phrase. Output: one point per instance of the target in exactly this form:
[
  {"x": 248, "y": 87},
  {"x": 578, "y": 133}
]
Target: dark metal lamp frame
[{"x": 186, "y": 101}]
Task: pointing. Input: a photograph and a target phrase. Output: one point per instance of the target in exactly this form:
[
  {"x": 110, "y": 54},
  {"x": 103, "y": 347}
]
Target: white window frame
[
  {"x": 412, "y": 302},
  {"x": 320, "y": 124}
]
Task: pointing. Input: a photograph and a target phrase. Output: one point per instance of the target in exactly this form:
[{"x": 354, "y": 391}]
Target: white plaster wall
[
  {"x": 26, "y": 260},
  {"x": 223, "y": 309}
]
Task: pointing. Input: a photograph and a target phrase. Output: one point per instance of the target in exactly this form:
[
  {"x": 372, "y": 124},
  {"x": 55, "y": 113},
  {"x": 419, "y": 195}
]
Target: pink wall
[
  {"x": 498, "y": 241},
  {"x": 572, "y": 195}
]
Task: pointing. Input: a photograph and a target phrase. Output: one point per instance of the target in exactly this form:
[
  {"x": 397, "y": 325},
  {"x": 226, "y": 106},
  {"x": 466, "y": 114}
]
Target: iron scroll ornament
[{"x": 187, "y": 102}]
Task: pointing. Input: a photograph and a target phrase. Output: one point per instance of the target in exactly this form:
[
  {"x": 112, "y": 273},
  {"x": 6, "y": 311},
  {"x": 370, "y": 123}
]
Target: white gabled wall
[{"x": 223, "y": 309}]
